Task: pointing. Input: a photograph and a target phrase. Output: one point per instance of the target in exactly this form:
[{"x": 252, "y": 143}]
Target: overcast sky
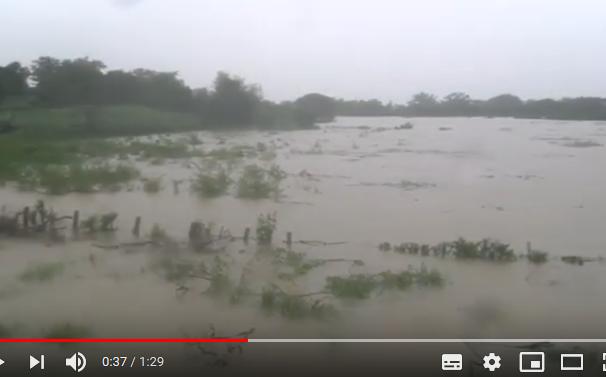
[{"x": 386, "y": 49}]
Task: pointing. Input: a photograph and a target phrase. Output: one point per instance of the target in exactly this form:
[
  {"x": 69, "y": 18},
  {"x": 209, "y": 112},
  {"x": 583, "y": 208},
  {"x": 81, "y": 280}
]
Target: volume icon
[{"x": 76, "y": 361}]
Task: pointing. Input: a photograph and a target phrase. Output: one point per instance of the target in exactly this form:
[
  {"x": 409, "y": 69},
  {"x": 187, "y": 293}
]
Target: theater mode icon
[
  {"x": 532, "y": 362},
  {"x": 571, "y": 361},
  {"x": 452, "y": 361}
]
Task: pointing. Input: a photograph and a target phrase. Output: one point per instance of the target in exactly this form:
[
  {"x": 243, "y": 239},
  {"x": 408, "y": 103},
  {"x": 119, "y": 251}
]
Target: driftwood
[
  {"x": 579, "y": 261},
  {"x": 320, "y": 243},
  {"x": 125, "y": 244}
]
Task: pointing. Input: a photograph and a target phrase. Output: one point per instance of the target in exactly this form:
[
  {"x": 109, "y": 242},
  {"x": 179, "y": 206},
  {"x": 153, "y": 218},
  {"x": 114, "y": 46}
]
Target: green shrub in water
[
  {"x": 212, "y": 184},
  {"x": 258, "y": 183},
  {"x": 42, "y": 272},
  {"x": 68, "y": 331}
]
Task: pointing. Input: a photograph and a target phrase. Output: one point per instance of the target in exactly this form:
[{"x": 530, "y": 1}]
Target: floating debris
[
  {"x": 582, "y": 144},
  {"x": 404, "y": 184},
  {"x": 461, "y": 248},
  {"x": 405, "y": 126}
]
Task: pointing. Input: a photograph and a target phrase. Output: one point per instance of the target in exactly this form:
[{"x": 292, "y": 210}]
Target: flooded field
[{"x": 344, "y": 190}]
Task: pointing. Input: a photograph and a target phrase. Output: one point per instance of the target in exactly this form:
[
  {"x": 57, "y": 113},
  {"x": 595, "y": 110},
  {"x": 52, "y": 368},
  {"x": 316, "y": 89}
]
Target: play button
[{"x": 1, "y": 361}]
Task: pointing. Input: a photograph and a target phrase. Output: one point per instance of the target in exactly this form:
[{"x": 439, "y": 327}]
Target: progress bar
[
  {"x": 124, "y": 340},
  {"x": 261, "y": 340},
  {"x": 427, "y": 340}
]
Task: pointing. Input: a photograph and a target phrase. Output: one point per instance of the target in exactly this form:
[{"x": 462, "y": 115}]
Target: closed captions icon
[{"x": 452, "y": 361}]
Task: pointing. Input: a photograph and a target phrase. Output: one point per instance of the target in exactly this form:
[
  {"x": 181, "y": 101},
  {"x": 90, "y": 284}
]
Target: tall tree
[
  {"x": 456, "y": 104},
  {"x": 423, "y": 104},
  {"x": 13, "y": 80},
  {"x": 316, "y": 107},
  {"x": 65, "y": 82},
  {"x": 232, "y": 101}
]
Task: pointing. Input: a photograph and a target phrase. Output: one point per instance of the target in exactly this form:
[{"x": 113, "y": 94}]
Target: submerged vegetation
[
  {"x": 211, "y": 184},
  {"x": 67, "y": 331},
  {"x": 266, "y": 225},
  {"x": 296, "y": 306},
  {"x": 281, "y": 294},
  {"x": 42, "y": 272},
  {"x": 461, "y": 248},
  {"x": 57, "y": 180},
  {"x": 259, "y": 183},
  {"x": 360, "y": 286},
  {"x": 152, "y": 185}
]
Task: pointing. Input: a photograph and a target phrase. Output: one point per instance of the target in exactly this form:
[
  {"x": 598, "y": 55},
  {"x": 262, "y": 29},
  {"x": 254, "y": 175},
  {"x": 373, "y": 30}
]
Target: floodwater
[{"x": 362, "y": 182}]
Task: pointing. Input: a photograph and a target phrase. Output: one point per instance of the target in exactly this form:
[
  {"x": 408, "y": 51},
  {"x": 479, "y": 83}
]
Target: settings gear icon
[{"x": 492, "y": 362}]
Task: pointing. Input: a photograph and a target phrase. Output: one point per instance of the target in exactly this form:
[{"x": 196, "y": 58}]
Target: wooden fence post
[
  {"x": 26, "y": 217},
  {"x": 246, "y": 235},
  {"x": 137, "y": 227},
  {"x": 76, "y": 221},
  {"x": 289, "y": 239}
]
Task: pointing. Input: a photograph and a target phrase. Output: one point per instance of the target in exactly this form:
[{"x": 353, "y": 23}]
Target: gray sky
[{"x": 386, "y": 49}]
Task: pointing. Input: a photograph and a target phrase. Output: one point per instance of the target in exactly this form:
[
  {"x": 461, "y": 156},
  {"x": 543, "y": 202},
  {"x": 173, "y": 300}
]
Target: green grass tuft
[
  {"x": 211, "y": 184},
  {"x": 259, "y": 183},
  {"x": 42, "y": 272},
  {"x": 67, "y": 331}
]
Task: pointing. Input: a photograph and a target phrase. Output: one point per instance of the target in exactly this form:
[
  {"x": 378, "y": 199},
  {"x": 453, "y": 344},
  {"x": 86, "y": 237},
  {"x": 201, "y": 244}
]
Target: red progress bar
[{"x": 124, "y": 340}]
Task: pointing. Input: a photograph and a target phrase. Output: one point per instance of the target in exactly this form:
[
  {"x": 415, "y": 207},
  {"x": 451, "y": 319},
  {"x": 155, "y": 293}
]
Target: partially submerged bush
[
  {"x": 64, "y": 179},
  {"x": 211, "y": 184},
  {"x": 463, "y": 249},
  {"x": 176, "y": 270},
  {"x": 274, "y": 300},
  {"x": 357, "y": 286},
  {"x": 152, "y": 185},
  {"x": 266, "y": 225},
  {"x": 537, "y": 257},
  {"x": 219, "y": 278},
  {"x": 67, "y": 331},
  {"x": 360, "y": 286},
  {"x": 158, "y": 234},
  {"x": 258, "y": 183},
  {"x": 42, "y": 272},
  {"x": 428, "y": 278}
]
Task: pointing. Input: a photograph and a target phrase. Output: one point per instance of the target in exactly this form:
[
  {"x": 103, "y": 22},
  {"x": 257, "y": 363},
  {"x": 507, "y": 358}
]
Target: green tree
[
  {"x": 162, "y": 90},
  {"x": 423, "y": 104},
  {"x": 503, "y": 105},
  {"x": 315, "y": 107},
  {"x": 66, "y": 82},
  {"x": 456, "y": 104},
  {"x": 13, "y": 79},
  {"x": 233, "y": 102}
]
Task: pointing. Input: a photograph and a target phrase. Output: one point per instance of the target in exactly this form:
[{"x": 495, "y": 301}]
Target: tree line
[
  {"x": 460, "y": 104},
  {"x": 231, "y": 102}
]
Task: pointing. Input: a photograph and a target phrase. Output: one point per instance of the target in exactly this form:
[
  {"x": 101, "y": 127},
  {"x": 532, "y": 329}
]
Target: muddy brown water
[{"x": 512, "y": 180}]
